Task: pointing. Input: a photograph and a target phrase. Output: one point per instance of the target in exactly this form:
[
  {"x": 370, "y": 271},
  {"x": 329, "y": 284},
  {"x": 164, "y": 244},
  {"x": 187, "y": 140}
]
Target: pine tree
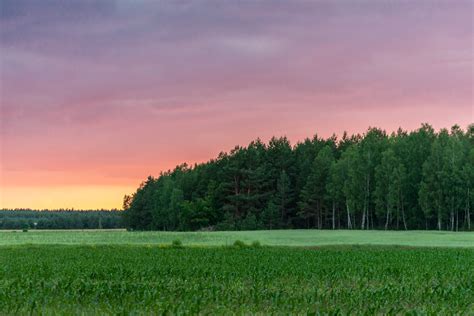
[
  {"x": 335, "y": 190},
  {"x": 283, "y": 197},
  {"x": 468, "y": 171},
  {"x": 420, "y": 179},
  {"x": 433, "y": 186},
  {"x": 271, "y": 215}
]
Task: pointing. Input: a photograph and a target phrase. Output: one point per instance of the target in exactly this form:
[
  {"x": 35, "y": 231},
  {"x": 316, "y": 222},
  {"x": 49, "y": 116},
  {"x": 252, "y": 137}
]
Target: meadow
[
  {"x": 299, "y": 238},
  {"x": 296, "y": 272},
  {"x": 222, "y": 238}
]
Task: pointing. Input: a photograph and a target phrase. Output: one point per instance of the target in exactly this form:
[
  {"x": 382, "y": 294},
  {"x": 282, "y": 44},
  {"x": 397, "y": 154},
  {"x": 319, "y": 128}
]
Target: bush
[
  {"x": 256, "y": 244},
  {"x": 239, "y": 244},
  {"x": 25, "y": 230},
  {"x": 177, "y": 244}
]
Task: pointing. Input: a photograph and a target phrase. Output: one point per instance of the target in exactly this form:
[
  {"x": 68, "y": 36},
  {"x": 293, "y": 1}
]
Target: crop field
[
  {"x": 297, "y": 272},
  {"x": 267, "y": 238},
  {"x": 100, "y": 279}
]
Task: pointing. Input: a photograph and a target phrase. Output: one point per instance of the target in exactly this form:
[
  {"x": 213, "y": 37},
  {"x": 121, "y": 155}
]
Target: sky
[{"x": 97, "y": 95}]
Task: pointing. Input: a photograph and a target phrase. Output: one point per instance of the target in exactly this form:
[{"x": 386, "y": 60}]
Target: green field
[
  {"x": 118, "y": 272},
  {"x": 268, "y": 238},
  {"x": 225, "y": 280}
]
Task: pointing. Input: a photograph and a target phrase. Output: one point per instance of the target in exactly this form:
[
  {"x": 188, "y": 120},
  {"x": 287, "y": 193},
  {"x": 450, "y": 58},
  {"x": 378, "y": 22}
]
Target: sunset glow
[{"x": 97, "y": 95}]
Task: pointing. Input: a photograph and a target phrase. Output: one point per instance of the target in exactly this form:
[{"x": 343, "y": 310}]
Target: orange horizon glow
[
  {"x": 65, "y": 197},
  {"x": 80, "y": 194}
]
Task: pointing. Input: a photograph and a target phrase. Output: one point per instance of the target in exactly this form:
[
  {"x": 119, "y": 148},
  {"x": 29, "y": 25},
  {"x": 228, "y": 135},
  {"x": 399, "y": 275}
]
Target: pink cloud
[{"x": 107, "y": 92}]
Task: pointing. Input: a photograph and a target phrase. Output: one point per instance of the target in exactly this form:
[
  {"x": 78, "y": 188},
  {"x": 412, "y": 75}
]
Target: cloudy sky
[{"x": 96, "y": 95}]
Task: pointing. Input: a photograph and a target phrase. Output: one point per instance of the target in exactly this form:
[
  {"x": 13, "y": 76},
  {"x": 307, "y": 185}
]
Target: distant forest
[
  {"x": 60, "y": 219},
  {"x": 406, "y": 180}
]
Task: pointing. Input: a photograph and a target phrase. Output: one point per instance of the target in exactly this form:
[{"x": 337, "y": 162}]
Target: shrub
[
  {"x": 256, "y": 244},
  {"x": 239, "y": 244},
  {"x": 25, "y": 230},
  {"x": 177, "y": 244}
]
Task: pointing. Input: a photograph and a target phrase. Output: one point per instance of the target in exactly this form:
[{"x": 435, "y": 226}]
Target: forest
[
  {"x": 60, "y": 219},
  {"x": 422, "y": 179}
]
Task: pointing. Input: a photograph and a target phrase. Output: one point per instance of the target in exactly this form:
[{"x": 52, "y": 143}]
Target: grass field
[
  {"x": 118, "y": 272},
  {"x": 269, "y": 238}
]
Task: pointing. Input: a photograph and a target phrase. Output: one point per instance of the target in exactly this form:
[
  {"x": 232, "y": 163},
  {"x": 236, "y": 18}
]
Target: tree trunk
[
  {"x": 367, "y": 200},
  {"x": 320, "y": 216},
  {"x": 387, "y": 217},
  {"x": 403, "y": 211},
  {"x": 468, "y": 215},
  {"x": 457, "y": 220},
  {"x": 439, "y": 220},
  {"x": 451, "y": 215},
  {"x": 349, "y": 224},
  {"x": 236, "y": 192},
  {"x": 398, "y": 217},
  {"x": 403, "y": 218},
  {"x": 283, "y": 209},
  {"x": 316, "y": 219},
  {"x": 339, "y": 219},
  {"x": 333, "y": 215},
  {"x": 363, "y": 219}
]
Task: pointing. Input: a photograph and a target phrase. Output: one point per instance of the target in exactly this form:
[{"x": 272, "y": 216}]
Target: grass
[
  {"x": 266, "y": 238},
  {"x": 136, "y": 279}
]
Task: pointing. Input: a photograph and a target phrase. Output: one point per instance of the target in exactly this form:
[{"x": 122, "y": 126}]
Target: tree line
[
  {"x": 421, "y": 179},
  {"x": 60, "y": 219}
]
